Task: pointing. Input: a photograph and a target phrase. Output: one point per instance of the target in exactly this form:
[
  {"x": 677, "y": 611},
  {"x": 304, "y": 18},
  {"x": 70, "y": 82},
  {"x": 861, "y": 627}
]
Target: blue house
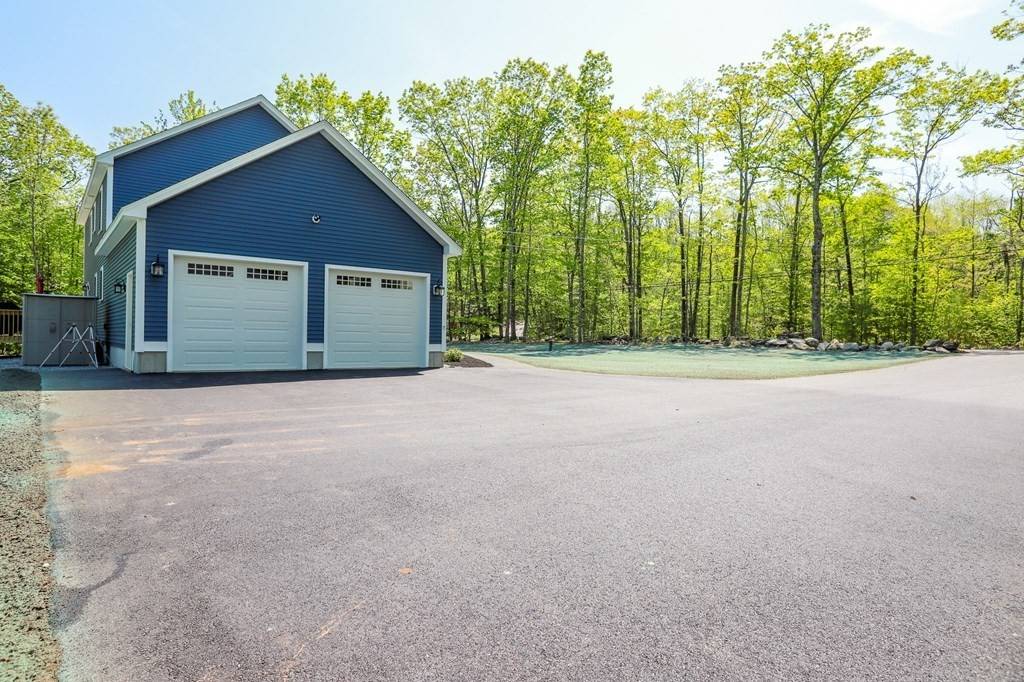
[{"x": 238, "y": 242}]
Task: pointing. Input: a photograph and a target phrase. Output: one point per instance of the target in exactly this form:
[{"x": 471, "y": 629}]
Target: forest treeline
[{"x": 748, "y": 205}]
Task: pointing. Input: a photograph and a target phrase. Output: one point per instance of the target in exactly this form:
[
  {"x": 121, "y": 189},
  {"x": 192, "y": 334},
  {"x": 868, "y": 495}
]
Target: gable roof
[
  {"x": 137, "y": 210},
  {"x": 104, "y": 161}
]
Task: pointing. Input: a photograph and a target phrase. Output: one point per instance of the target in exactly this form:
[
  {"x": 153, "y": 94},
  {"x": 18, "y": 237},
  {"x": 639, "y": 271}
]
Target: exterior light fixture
[
  {"x": 438, "y": 290},
  {"x": 156, "y": 268},
  {"x": 315, "y": 218},
  {"x": 119, "y": 287}
]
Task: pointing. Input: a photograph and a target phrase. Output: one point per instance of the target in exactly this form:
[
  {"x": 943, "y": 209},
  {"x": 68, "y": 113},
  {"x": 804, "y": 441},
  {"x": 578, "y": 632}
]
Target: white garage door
[
  {"x": 235, "y": 315},
  {"x": 375, "y": 319}
]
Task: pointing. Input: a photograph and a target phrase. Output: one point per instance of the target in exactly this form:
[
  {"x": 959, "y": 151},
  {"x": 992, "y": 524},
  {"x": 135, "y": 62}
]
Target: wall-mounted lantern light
[
  {"x": 119, "y": 287},
  {"x": 438, "y": 290},
  {"x": 156, "y": 268},
  {"x": 315, "y": 218}
]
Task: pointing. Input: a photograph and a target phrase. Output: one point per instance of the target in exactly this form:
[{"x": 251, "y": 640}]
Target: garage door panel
[
  {"x": 375, "y": 325},
  {"x": 230, "y": 320}
]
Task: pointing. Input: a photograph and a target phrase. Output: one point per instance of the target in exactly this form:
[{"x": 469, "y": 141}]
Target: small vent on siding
[
  {"x": 354, "y": 281},
  {"x": 386, "y": 283},
  {"x": 266, "y": 273},
  {"x": 211, "y": 270}
]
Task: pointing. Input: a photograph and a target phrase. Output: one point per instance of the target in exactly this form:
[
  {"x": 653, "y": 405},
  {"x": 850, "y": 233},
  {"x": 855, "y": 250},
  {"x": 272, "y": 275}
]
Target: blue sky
[{"x": 115, "y": 62}]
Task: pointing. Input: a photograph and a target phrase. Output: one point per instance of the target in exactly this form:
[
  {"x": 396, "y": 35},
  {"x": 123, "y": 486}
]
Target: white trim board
[
  {"x": 174, "y": 253},
  {"x": 377, "y": 271},
  {"x": 138, "y": 209},
  {"x": 105, "y": 161}
]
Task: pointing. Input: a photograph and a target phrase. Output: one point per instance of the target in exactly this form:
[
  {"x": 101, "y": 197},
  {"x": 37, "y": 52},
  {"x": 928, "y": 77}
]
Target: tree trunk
[
  {"x": 915, "y": 273},
  {"x": 849, "y": 269},
  {"x": 816, "y": 253}
]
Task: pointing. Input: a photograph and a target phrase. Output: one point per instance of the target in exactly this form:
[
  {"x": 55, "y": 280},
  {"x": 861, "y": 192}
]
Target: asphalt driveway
[{"x": 522, "y": 523}]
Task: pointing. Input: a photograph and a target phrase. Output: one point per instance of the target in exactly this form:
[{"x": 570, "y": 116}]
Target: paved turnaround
[{"x": 523, "y": 523}]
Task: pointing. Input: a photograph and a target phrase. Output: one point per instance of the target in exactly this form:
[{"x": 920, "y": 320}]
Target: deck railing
[{"x": 10, "y": 325}]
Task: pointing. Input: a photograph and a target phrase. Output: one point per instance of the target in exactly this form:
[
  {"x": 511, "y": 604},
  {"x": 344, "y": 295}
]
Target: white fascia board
[
  {"x": 116, "y": 231},
  {"x": 109, "y": 156},
  {"x": 105, "y": 161},
  {"x": 451, "y": 247},
  {"x": 137, "y": 209},
  {"x": 92, "y": 187}
]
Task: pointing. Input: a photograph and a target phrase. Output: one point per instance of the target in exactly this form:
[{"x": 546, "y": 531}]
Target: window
[
  {"x": 266, "y": 273},
  {"x": 354, "y": 281},
  {"x": 386, "y": 283},
  {"x": 99, "y": 283},
  {"x": 211, "y": 270}
]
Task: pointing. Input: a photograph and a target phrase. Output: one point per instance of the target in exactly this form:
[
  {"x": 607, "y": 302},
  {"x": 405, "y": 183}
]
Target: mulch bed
[
  {"x": 28, "y": 650},
  {"x": 469, "y": 361}
]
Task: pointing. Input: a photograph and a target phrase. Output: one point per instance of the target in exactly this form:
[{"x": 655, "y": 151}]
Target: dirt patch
[
  {"x": 28, "y": 650},
  {"x": 469, "y": 361}
]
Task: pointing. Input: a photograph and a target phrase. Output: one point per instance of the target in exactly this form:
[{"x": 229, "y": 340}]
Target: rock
[
  {"x": 757, "y": 342},
  {"x": 850, "y": 345},
  {"x": 834, "y": 345},
  {"x": 794, "y": 335},
  {"x": 776, "y": 343},
  {"x": 938, "y": 349},
  {"x": 951, "y": 346},
  {"x": 931, "y": 343},
  {"x": 887, "y": 345},
  {"x": 799, "y": 344},
  {"x": 812, "y": 342}
]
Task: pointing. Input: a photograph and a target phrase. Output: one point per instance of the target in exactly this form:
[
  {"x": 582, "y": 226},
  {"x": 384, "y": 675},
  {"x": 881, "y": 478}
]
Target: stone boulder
[
  {"x": 776, "y": 343},
  {"x": 951, "y": 346},
  {"x": 834, "y": 345},
  {"x": 937, "y": 349},
  {"x": 931, "y": 343},
  {"x": 812, "y": 342},
  {"x": 799, "y": 344},
  {"x": 887, "y": 346},
  {"x": 850, "y": 345}
]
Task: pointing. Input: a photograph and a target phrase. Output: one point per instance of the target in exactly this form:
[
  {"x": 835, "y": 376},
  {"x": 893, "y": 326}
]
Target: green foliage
[
  {"x": 184, "y": 108},
  {"x": 365, "y": 120},
  {"x": 453, "y": 355},
  {"x": 42, "y": 165}
]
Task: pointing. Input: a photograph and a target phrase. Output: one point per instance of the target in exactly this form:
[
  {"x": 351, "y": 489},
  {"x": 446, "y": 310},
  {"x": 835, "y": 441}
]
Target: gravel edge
[{"x": 28, "y": 647}]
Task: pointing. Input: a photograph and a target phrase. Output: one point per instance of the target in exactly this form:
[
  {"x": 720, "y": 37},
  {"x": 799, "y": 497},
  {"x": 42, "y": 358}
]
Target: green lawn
[{"x": 692, "y": 361}]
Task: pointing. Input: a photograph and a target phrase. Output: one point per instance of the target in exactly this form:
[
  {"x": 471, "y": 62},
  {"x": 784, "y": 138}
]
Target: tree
[
  {"x": 366, "y": 121},
  {"x": 454, "y": 164},
  {"x": 679, "y": 128},
  {"x": 830, "y": 85},
  {"x": 745, "y": 124},
  {"x": 588, "y": 107},
  {"x": 936, "y": 105},
  {"x": 184, "y": 108},
  {"x": 42, "y": 165},
  {"x": 632, "y": 176},
  {"x": 530, "y": 104}
]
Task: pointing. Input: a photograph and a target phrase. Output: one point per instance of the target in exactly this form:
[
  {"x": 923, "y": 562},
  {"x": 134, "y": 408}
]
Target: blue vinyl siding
[
  {"x": 111, "y": 310},
  {"x": 264, "y": 209},
  {"x": 160, "y": 165}
]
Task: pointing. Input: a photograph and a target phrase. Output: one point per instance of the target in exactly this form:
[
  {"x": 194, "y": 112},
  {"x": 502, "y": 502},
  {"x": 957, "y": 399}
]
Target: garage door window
[
  {"x": 386, "y": 283},
  {"x": 354, "y": 281},
  {"x": 266, "y": 273},
  {"x": 211, "y": 270}
]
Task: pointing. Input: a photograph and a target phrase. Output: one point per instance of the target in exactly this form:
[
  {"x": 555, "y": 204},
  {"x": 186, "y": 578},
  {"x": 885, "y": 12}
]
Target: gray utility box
[{"x": 47, "y": 317}]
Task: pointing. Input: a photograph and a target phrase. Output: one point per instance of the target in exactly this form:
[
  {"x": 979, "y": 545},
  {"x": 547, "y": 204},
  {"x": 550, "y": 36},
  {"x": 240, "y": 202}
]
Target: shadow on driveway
[{"x": 88, "y": 379}]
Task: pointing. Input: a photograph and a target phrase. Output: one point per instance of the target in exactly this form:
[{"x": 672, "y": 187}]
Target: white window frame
[{"x": 100, "y": 281}]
